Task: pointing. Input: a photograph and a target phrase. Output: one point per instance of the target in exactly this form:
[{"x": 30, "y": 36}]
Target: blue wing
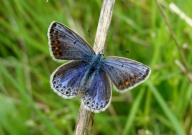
[
  {"x": 125, "y": 73},
  {"x": 65, "y": 44},
  {"x": 97, "y": 98},
  {"x": 66, "y": 80}
]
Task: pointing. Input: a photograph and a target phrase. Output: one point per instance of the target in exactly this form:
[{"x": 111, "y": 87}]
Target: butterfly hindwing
[
  {"x": 97, "y": 98},
  {"x": 125, "y": 73},
  {"x": 65, "y": 44},
  {"x": 66, "y": 80}
]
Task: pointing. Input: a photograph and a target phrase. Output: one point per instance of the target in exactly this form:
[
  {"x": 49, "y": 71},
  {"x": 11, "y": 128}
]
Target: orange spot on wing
[
  {"x": 120, "y": 85},
  {"x": 133, "y": 79},
  {"x": 56, "y": 48},
  {"x": 56, "y": 42},
  {"x": 68, "y": 91},
  {"x": 126, "y": 82},
  {"x": 88, "y": 101}
]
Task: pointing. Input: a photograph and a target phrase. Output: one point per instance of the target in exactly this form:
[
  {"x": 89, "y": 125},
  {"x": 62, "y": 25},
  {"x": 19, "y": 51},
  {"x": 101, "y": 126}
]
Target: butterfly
[{"x": 88, "y": 73}]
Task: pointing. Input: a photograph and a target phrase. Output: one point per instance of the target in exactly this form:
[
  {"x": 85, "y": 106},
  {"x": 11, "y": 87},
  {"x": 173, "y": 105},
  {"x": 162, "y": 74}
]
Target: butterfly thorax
[
  {"x": 93, "y": 68},
  {"x": 96, "y": 62}
]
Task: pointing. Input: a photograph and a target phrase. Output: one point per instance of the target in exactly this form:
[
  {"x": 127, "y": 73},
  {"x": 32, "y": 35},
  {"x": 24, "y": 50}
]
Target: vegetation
[{"x": 160, "y": 106}]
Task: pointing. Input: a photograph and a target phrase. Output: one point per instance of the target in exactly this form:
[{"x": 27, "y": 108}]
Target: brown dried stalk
[
  {"x": 85, "y": 118},
  {"x": 183, "y": 64}
]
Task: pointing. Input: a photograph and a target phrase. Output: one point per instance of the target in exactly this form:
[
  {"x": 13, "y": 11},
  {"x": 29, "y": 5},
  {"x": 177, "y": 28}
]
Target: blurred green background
[{"x": 160, "y": 106}]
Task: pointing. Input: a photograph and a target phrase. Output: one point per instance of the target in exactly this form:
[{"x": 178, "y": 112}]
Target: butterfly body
[
  {"x": 96, "y": 62},
  {"x": 94, "y": 66},
  {"x": 89, "y": 73}
]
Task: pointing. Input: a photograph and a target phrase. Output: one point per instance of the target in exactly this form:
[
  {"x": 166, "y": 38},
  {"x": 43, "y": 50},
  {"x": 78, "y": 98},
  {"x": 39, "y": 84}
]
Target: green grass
[{"x": 161, "y": 106}]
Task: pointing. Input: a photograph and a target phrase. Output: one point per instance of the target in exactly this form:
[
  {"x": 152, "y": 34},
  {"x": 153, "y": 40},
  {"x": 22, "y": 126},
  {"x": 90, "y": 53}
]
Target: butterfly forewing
[
  {"x": 125, "y": 73},
  {"x": 65, "y": 44}
]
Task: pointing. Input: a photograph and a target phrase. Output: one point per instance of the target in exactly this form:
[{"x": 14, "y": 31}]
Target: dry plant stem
[
  {"x": 85, "y": 118},
  {"x": 103, "y": 25},
  {"x": 184, "y": 70},
  {"x": 183, "y": 62}
]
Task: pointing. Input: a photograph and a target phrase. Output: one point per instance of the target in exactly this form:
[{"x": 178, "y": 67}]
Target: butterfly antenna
[{"x": 126, "y": 51}]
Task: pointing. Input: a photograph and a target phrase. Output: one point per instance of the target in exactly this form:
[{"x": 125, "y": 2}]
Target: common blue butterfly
[{"x": 89, "y": 73}]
